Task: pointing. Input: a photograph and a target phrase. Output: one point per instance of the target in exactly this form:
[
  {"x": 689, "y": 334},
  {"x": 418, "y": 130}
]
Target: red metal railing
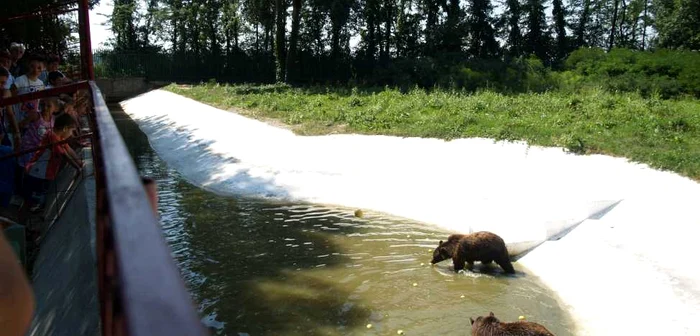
[
  {"x": 69, "y": 88},
  {"x": 141, "y": 291}
]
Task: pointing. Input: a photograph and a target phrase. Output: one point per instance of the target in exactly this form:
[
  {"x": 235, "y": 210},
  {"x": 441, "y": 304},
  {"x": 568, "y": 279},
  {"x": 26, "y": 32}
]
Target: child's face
[
  {"x": 69, "y": 108},
  {"x": 53, "y": 66},
  {"x": 17, "y": 53},
  {"x": 35, "y": 68},
  {"x": 50, "y": 106},
  {"x": 3, "y": 81}
]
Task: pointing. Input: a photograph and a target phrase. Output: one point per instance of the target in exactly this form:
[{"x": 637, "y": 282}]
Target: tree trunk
[
  {"x": 644, "y": 31},
  {"x": 613, "y": 26},
  {"x": 280, "y": 32},
  {"x": 292, "y": 53},
  {"x": 387, "y": 28},
  {"x": 335, "y": 39},
  {"x": 583, "y": 23}
]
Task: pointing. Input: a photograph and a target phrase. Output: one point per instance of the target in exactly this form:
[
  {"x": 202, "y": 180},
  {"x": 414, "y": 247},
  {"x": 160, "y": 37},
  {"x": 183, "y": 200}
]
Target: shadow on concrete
[{"x": 182, "y": 151}]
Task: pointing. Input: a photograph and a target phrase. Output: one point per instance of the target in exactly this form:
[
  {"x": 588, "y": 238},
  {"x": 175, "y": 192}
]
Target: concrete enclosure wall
[{"x": 118, "y": 89}]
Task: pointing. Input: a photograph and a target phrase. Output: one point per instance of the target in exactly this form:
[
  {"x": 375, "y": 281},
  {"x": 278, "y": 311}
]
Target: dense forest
[
  {"x": 386, "y": 41},
  {"x": 458, "y": 43}
]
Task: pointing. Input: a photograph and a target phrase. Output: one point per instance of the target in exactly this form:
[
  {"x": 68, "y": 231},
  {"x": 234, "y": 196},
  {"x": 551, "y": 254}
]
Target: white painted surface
[{"x": 629, "y": 272}]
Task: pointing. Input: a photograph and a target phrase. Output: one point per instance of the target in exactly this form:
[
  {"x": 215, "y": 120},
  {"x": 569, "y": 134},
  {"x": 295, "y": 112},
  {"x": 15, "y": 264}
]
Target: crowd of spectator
[{"x": 34, "y": 130}]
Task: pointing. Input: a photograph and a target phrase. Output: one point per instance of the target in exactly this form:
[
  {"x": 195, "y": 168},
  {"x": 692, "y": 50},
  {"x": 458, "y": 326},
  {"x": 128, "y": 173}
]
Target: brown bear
[
  {"x": 479, "y": 246},
  {"x": 491, "y": 326}
]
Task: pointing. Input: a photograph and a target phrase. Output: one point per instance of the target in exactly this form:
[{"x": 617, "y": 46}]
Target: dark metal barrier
[{"x": 142, "y": 292}]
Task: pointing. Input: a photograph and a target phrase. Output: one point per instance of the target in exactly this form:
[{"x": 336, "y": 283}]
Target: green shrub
[{"x": 667, "y": 73}]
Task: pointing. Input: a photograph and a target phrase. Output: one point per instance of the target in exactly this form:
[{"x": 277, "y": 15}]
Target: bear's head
[
  {"x": 483, "y": 321},
  {"x": 441, "y": 253}
]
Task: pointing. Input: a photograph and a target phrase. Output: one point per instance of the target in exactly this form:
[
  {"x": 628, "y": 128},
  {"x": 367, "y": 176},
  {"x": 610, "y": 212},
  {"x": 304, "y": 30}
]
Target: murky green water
[{"x": 261, "y": 268}]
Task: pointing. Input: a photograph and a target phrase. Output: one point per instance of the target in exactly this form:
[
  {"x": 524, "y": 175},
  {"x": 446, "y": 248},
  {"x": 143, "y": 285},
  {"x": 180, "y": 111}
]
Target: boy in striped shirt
[{"x": 46, "y": 162}]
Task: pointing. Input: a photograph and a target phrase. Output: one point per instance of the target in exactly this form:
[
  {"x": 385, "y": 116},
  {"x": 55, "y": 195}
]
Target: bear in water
[
  {"x": 491, "y": 326},
  {"x": 479, "y": 246}
]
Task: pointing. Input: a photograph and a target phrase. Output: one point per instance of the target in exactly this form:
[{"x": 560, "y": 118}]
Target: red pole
[{"x": 85, "y": 43}]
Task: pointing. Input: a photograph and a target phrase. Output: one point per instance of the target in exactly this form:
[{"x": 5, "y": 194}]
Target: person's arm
[
  {"x": 16, "y": 296},
  {"x": 78, "y": 165},
  {"x": 10, "y": 113},
  {"x": 73, "y": 154}
]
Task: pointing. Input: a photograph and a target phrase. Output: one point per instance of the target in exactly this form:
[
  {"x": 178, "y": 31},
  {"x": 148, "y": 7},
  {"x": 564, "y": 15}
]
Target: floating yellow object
[
  {"x": 400, "y": 332},
  {"x": 408, "y": 236},
  {"x": 462, "y": 297},
  {"x": 369, "y": 326},
  {"x": 415, "y": 284},
  {"x": 422, "y": 264},
  {"x": 359, "y": 213},
  {"x": 521, "y": 317}
]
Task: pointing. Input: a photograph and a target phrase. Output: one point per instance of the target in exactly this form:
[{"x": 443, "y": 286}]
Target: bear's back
[
  {"x": 519, "y": 328},
  {"x": 522, "y": 328},
  {"x": 482, "y": 244}
]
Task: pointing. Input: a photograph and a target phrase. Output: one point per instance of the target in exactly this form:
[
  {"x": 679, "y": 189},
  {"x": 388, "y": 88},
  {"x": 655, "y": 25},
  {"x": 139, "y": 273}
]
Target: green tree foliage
[
  {"x": 536, "y": 38},
  {"x": 513, "y": 16},
  {"x": 561, "y": 47},
  {"x": 483, "y": 40},
  {"x": 678, "y": 23},
  {"x": 387, "y": 42},
  {"x": 47, "y": 34},
  {"x": 123, "y": 20}
]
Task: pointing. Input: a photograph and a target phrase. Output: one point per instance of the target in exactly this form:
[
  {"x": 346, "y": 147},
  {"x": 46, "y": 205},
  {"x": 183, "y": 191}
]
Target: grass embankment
[{"x": 662, "y": 133}]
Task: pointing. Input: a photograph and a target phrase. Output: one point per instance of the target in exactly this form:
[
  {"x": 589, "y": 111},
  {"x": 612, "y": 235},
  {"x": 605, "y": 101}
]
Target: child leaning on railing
[{"x": 46, "y": 162}]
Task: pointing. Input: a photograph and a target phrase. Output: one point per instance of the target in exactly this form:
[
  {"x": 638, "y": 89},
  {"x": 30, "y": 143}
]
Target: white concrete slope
[{"x": 525, "y": 194}]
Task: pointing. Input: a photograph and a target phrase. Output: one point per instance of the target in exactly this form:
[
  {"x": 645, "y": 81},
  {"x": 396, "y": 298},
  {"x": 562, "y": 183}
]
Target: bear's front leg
[{"x": 458, "y": 263}]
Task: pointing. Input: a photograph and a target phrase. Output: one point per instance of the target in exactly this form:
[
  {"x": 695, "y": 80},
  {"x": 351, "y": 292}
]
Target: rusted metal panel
[{"x": 149, "y": 293}]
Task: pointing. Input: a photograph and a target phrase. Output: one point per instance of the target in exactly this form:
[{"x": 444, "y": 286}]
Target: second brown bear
[{"x": 482, "y": 246}]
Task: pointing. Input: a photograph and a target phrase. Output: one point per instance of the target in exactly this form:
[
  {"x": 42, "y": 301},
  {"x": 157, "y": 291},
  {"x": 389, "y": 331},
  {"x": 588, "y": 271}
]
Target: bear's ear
[
  {"x": 491, "y": 314},
  {"x": 440, "y": 243},
  {"x": 471, "y": 320}
]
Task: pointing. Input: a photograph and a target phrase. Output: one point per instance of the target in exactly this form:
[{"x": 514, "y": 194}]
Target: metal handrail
[
  {"x": 142, "y": 291},
  {"x": 68, "y": 88},
  {"x": 38, "y": 148}
]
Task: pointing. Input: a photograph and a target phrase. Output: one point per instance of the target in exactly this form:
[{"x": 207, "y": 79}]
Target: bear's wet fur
[
  {"x": 480, "y": 246},
  {"x": 491, "y": 326}
]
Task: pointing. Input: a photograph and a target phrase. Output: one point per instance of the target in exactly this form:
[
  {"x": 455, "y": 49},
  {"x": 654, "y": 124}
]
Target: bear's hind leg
[{"x": 486, "y": 262}]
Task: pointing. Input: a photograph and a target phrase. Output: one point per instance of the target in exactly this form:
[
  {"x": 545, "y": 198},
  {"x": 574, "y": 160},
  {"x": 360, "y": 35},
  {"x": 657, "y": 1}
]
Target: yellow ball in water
[
  {"x": 369, "y": 326},
  {"x": 521, "y": 317},
  {"x": 359, "y": 213},
  {"x": 415, "y": 284},
  {"x": 400, "y": 332}
]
